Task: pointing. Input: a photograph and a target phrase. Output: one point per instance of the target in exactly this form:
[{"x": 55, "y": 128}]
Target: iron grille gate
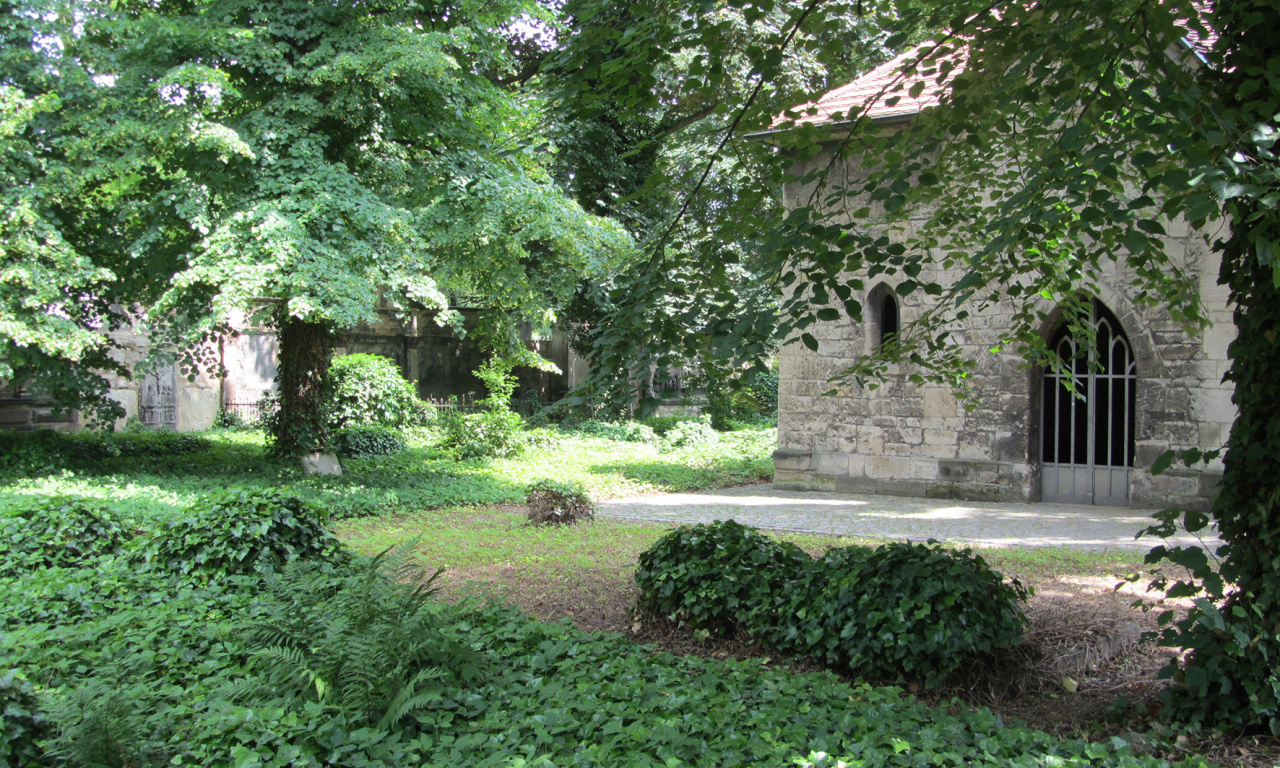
[{"x": 1087, "y": 436}]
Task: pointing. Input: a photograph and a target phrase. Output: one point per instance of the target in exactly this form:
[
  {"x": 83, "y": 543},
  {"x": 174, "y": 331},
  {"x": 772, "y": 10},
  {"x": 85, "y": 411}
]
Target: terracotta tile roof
[
  {"x": 875, "y": 89},
  {"x": 1202, "y": 45}
]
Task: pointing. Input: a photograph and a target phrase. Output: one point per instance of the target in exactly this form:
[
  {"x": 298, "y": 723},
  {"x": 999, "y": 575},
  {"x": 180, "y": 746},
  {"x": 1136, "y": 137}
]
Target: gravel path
[{"x": 979, "y": 523}]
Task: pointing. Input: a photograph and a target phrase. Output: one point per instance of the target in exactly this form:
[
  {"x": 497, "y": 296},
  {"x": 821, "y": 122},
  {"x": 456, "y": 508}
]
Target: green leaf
[{"x": 1163, "y": 462}]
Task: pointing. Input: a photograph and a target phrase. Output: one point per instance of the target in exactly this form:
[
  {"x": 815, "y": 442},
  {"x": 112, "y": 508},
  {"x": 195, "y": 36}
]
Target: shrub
[
  {"x": 691, "y": 432},
  {"x": 719, "y": 408},
  {"x": 661, "y": 425},
  {"x": 558, "y": 503},
  {"x": 495, "y": 433},
  {"x": 710, "y": 576},
  {"x": 759, "y": 398},
  {"x": 45, "y": 451},
  {"x": 368, "y": 390},
  {"x": 361, "y": 643},
  {"x": 626, "y": 431},
  {"x": 149, "y": 443},
  {"x": 22, "y": 724},
  {"x": 901, "y": 611},
  {"x": 243, "y": 531},
  {"x": 229, "y": 420},
  {"x": 488, "y": 435},
  {"x": 31, "y": 453},
  {"x": 366, "y": 442},
  {"x": 59, "y": 532}
]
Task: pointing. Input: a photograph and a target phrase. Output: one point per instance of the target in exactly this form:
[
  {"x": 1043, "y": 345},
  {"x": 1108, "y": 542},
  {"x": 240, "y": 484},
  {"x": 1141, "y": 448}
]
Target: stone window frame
[{"x": 874, "y": 312}]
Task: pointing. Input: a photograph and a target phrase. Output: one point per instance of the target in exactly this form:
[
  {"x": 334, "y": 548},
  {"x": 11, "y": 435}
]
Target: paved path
[{"x": 979, "y": 523}]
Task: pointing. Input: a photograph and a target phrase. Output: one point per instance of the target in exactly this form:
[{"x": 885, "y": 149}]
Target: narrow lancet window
[{"x": 888, "y": 318}]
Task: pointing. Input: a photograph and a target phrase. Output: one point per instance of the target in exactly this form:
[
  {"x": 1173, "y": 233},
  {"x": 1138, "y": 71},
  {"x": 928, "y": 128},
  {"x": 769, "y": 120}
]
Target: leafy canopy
[{"x": 292, "y": 160}]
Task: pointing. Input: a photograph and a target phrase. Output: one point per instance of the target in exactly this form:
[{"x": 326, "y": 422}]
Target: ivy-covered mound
[
  {"x": 901, "y": 611},
  {"x": 326, "y": 664},
  {"x": 57, "y": 531},
  {"x": 710, "y": 577}
]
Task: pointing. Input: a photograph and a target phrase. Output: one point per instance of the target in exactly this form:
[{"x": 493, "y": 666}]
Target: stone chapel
[{"x": 1155, "y": 388}]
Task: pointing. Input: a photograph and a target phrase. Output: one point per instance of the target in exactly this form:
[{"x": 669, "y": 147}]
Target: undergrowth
[
  {"x": 341, "y": 666},
  {"x": 145, "y": 488}
]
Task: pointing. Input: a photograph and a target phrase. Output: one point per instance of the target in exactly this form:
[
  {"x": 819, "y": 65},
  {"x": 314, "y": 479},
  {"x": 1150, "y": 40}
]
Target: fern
[
  {"x": 293, "y": 663},
  {"x": 408, "y": 699},
  {"x": 357, "y": 640}
]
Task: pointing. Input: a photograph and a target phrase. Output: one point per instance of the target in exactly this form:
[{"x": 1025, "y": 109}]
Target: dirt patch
[{"x": 1082, "y": 653}]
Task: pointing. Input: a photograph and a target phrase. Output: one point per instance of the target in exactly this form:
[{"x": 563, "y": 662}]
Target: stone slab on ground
[
  {"x": 321, "y": 464},
  {"x": 986, "y": 524}
]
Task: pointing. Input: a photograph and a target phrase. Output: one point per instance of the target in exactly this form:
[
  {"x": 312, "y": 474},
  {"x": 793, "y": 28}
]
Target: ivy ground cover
[
  {"x": 146, "y": 669},
  {"x": 117, "y": 665}
]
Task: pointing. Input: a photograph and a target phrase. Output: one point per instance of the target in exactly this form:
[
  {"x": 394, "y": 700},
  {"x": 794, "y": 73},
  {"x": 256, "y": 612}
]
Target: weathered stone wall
[
  {"x": 161, "y": 397},
  {"x": 436, "y": 359},
  {"x": 906, "y": 439},
  {"x": 20, "y": 412}
]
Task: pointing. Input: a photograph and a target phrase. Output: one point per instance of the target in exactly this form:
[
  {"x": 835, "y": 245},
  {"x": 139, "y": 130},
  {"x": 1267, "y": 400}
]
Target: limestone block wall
[{"x": 906, "y": 439}]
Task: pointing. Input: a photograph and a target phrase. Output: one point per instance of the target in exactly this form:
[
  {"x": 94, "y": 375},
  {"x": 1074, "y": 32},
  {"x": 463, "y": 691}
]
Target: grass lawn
[{"x": 478, "y": 538}]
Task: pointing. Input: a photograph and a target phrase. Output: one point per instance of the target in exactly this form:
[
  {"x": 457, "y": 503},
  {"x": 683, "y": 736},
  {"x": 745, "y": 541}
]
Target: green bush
[
  {"x": 719, "y": 407},
  {"x": 163, "y": 670},
  {"x": 900, "y": 611},
  {"x": 661, "y": 425},
  {"x": 57, "y": 531},
  {"x": 368, "y": 390},
  {"x": 496, "y": 432},
  {"x": 691, "y": 432},
  {"x": 711, "y": 576},
  {"x": 360, "y": 643},
  {"x": 366, "y": 442},
  {"x": 317, "y": 665},
  {"x": 45, "y": 451},
  {"x": 1228, "y": 675},
  {"x": 759, "y": 398},
  {"x": 150, "y": 443},
  {"x": 558, "y": 503},
  {"x": 488, "y": 435},
  {"x": 229, "y": 420},
  {"x": 243, "y": 530},
  {"x": 625, "y": 431},
  {"x": 22, "y": 723}
]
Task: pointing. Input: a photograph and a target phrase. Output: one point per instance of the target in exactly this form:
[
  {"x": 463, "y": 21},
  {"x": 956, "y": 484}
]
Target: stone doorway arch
[{"x": 1088, "y": 414}]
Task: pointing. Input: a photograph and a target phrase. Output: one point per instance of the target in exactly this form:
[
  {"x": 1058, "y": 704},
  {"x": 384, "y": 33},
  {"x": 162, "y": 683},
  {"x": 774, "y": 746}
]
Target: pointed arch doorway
[{"x": 1087, "y": 436}]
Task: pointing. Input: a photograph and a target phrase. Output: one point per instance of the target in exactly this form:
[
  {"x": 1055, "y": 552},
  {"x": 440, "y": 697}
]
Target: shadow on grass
[
  {"x": 372, "y": 491},
  {"x": 673, "y": 476}
]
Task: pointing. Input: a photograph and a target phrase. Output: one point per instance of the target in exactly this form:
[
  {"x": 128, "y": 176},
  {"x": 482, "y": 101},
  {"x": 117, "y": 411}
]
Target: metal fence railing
[
  {"x": 249, "y": 413},
  {"x": 461, "y": 403}
]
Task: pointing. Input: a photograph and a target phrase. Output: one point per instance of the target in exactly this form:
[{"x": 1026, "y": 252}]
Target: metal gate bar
[{"x": 1089, "y": 406}]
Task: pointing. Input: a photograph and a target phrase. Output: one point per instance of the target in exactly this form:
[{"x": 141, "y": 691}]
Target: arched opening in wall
[
  {"x": 1088, "y": 415},
  {"x": 883, "y": 319}
]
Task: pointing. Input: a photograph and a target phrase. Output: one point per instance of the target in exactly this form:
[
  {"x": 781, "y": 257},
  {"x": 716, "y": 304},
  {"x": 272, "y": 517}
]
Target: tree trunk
[
  {"x": 303, "y": 379},
  {"x": 1232, "y": 674}
]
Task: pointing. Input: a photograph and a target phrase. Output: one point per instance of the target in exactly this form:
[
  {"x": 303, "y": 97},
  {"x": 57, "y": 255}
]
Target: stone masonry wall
[{"x": 906, "y": 439}]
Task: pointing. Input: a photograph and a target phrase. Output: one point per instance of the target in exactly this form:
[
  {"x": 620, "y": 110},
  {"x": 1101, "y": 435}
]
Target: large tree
[
  {"x": 1088, "y": 124},
  {"x": 653, "y": 122},
  {"x": 300, "y": 161}
]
